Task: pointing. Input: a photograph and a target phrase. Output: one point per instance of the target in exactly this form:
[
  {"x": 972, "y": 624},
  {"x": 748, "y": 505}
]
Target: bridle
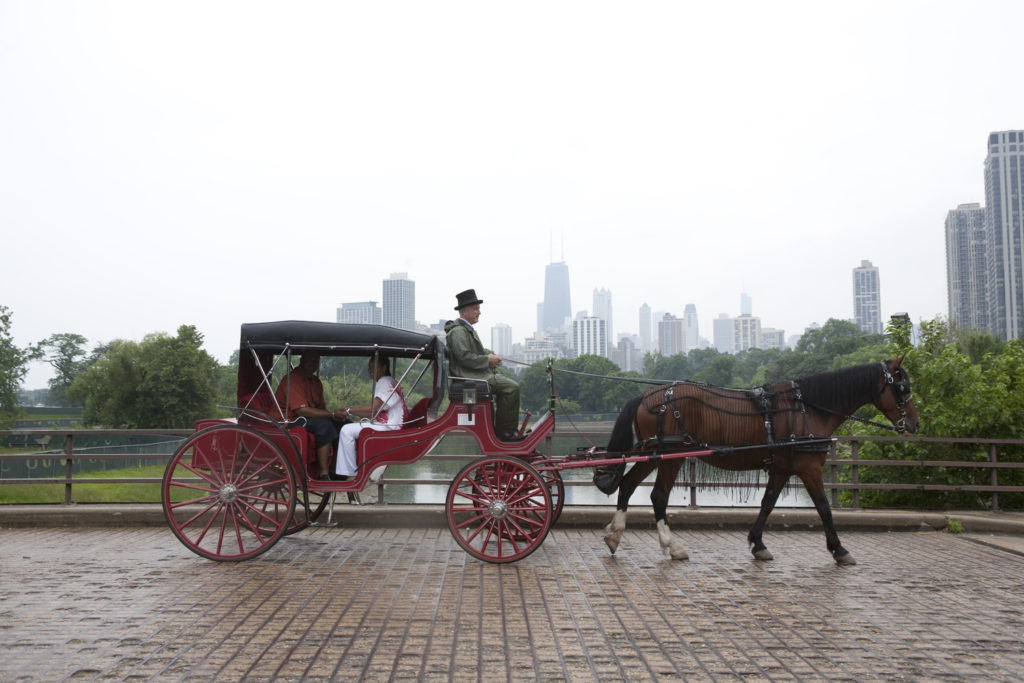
[{"x": 901, "y": 393}]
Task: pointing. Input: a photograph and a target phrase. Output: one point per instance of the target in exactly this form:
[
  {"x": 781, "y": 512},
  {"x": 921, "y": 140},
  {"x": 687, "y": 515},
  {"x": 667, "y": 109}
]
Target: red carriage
[{"x": 237, "y": 485}]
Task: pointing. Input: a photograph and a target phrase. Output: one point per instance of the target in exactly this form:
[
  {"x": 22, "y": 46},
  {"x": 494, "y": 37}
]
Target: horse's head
[{"x": 893, "y": 398}]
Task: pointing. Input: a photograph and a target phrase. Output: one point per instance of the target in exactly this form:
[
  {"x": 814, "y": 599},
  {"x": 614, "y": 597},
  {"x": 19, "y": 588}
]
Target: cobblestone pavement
[{"x": 409, "y": 604}]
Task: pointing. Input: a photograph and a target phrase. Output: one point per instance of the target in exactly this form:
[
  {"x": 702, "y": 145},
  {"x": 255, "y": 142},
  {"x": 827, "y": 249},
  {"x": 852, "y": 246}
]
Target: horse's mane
[{"x": 836, "y": 389}]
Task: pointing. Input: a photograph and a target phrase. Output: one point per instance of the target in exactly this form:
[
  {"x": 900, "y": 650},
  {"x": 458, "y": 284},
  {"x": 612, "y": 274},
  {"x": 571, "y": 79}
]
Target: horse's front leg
[
  {"x": 613, "y": 531},
  {"x": 667, "y": 473},
  {"x": 776, "y": 481}
]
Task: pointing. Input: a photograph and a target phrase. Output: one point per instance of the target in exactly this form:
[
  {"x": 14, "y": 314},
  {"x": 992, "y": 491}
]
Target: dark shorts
[{"x": 322, "y": 429}]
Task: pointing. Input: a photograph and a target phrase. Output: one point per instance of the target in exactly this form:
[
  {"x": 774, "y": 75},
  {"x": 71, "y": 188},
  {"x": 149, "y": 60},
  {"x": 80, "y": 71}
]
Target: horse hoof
[
  {"x": 612, "y": 543},
  {"x": 846, "y": 560},
  {"x": 679, "y": 555},
  {"x": 763, "y": 555}
]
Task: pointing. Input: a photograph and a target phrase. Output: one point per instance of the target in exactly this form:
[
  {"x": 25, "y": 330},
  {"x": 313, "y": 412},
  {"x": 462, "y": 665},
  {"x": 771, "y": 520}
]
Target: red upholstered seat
[{"x": 417, "y": 414}]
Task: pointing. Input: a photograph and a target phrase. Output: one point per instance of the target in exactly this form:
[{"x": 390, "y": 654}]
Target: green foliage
[
  {"x": 65, "y": 352},
  {"x": 955, "y": 396},
  {"x": 161, "y": 383},
  {"x": 13, "y": 366}
]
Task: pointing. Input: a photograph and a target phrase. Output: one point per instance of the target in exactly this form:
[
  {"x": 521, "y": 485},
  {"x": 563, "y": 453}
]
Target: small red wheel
[
  {"x": 228, "y": 493},
  {"x": 499, "y": 509},
  {"x": 316, "y": 502},
  {"x": 557, "y": 490}
]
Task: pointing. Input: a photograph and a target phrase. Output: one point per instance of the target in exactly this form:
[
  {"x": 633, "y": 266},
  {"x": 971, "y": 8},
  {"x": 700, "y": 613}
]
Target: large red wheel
[
  {"x": 499, "y": 509},
  {"x": 229, "y": 493}
]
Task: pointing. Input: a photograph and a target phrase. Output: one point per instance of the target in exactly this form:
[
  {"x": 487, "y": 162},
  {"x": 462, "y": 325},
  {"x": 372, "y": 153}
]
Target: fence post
[
  {"x": 834, "y": 471},
  {"x": 691, "y": 467},
  {"x": 69, "y": 451},
  {"x": 855, "y": 473},
  {"x": 994, "y": 458}
]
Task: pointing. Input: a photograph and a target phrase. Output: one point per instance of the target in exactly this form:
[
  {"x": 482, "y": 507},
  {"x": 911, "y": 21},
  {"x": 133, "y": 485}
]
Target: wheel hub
[
  {"x": 499, "y": 509},
  {"x": 228, "y": 493}
]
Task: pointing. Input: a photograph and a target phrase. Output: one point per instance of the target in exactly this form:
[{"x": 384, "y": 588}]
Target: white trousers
[{"x": 346, "y": 464}]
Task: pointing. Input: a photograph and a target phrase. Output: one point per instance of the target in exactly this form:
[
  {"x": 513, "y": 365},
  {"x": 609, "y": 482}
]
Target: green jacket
[{"x": 467, "y": 357}]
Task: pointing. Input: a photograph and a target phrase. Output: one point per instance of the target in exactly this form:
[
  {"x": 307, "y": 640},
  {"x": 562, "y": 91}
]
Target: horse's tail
[
  {"x": 622, "y": 434},
  {"x": 608, "y": 477}
]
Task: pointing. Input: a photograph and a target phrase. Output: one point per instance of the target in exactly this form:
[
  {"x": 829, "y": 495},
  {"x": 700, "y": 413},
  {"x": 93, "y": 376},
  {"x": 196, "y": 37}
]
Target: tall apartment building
[
  {"x": 965, "y": 267},
  {"x": 1004, "y": 233},
  {"x": 400, "y": 301},
  {"x": 557, "y": 301},
  {"x": 867, "y": 300},
  {"x": 746, "y": 333},
  {"x": 671, "y": 335},
  {"x": 590, "y": 336},
  {"x": 603, "y": 309},
  {"x": 360, "y": 312}
]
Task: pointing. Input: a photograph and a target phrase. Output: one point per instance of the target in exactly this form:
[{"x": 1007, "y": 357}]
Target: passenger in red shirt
[{"x": 301, "y": 394}]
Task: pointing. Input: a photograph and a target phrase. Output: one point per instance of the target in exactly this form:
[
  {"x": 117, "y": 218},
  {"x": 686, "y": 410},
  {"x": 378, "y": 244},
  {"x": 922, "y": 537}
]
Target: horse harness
[{"x": 765, "y": 401}]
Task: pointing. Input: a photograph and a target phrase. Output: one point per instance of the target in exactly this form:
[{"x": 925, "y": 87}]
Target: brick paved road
[{"x": 407, "y": 604}]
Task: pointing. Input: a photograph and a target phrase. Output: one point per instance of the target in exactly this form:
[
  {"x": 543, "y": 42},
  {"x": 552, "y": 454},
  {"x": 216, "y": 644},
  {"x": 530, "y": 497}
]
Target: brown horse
[{"x": 792, "y": 419}]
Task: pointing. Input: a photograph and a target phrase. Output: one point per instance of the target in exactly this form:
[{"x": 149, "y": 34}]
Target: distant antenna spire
[{"x": 563, "y": 247}]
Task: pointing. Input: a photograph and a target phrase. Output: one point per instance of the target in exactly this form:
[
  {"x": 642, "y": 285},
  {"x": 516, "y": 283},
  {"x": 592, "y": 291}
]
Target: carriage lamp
[{"x": 469, "y": 400}]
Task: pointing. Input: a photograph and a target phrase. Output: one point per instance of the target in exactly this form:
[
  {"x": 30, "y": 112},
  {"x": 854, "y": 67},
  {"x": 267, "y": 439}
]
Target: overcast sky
[{"x": 214, "y": 163}]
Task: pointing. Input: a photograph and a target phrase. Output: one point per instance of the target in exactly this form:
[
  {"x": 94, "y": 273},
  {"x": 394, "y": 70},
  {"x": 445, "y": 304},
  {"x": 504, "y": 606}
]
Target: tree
[
  {"x": 13, "y": 366},
  {"x": 955, "y": 396},
  {"x": 65, "y": 353},
  {"x": 162, "y": 383}
]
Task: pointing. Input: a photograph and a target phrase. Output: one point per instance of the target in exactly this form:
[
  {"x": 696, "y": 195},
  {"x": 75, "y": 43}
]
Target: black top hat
[{"x": 467, "y": 298}]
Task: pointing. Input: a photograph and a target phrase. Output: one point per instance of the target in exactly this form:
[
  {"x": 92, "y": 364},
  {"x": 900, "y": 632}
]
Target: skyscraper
[
  {"x": 501, "y": 339},
  {"x": 690, "y": 328},
  {"x": 965, "y": 267},
  {"x": 645, "y": 329},
  {"x": 746, "y": 304},
  {"x": 557, "y": 302},
  {"x": 867, "y": 303},
  {"x": 400, "y": 301},
  {"x": 603, "y": 310},
  {"x": 1004, "y": 233}
]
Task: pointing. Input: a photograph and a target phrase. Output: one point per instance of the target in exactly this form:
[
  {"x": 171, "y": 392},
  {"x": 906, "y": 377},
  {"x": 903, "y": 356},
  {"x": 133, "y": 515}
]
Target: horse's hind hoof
[
  {"x": 763, "y": 555},
  {"x": 847, "y": 560}
]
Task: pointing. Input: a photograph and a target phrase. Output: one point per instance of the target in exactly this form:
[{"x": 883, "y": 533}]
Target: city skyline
[{"x": 146, "y": 187}]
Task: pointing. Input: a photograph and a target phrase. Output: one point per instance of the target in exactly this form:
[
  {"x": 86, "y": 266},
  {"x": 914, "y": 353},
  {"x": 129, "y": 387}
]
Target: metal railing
[{"x": 843, "y": 465}]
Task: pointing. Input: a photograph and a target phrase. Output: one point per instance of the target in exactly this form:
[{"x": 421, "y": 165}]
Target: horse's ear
[{"x": 897, "y": 362}]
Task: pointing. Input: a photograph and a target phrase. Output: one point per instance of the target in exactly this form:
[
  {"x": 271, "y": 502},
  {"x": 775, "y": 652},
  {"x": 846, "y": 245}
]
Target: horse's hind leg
[
  {"x": 613, "y": 531},
  {"x": 815, "y": 485},
  {"x": 667, "y": 473},
  {"x": 776, "y": 481}
]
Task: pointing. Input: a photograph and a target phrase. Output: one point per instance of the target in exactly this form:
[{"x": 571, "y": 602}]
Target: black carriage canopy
[{"x": 261, "y": 342}]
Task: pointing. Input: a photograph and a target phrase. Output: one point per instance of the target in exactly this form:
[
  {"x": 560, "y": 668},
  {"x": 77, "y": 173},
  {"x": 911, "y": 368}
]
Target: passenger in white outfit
[{"x": 388, "y": 411}]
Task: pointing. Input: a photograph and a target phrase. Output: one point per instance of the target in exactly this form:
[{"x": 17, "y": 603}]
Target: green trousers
[{"x": 506, "y": 391}]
